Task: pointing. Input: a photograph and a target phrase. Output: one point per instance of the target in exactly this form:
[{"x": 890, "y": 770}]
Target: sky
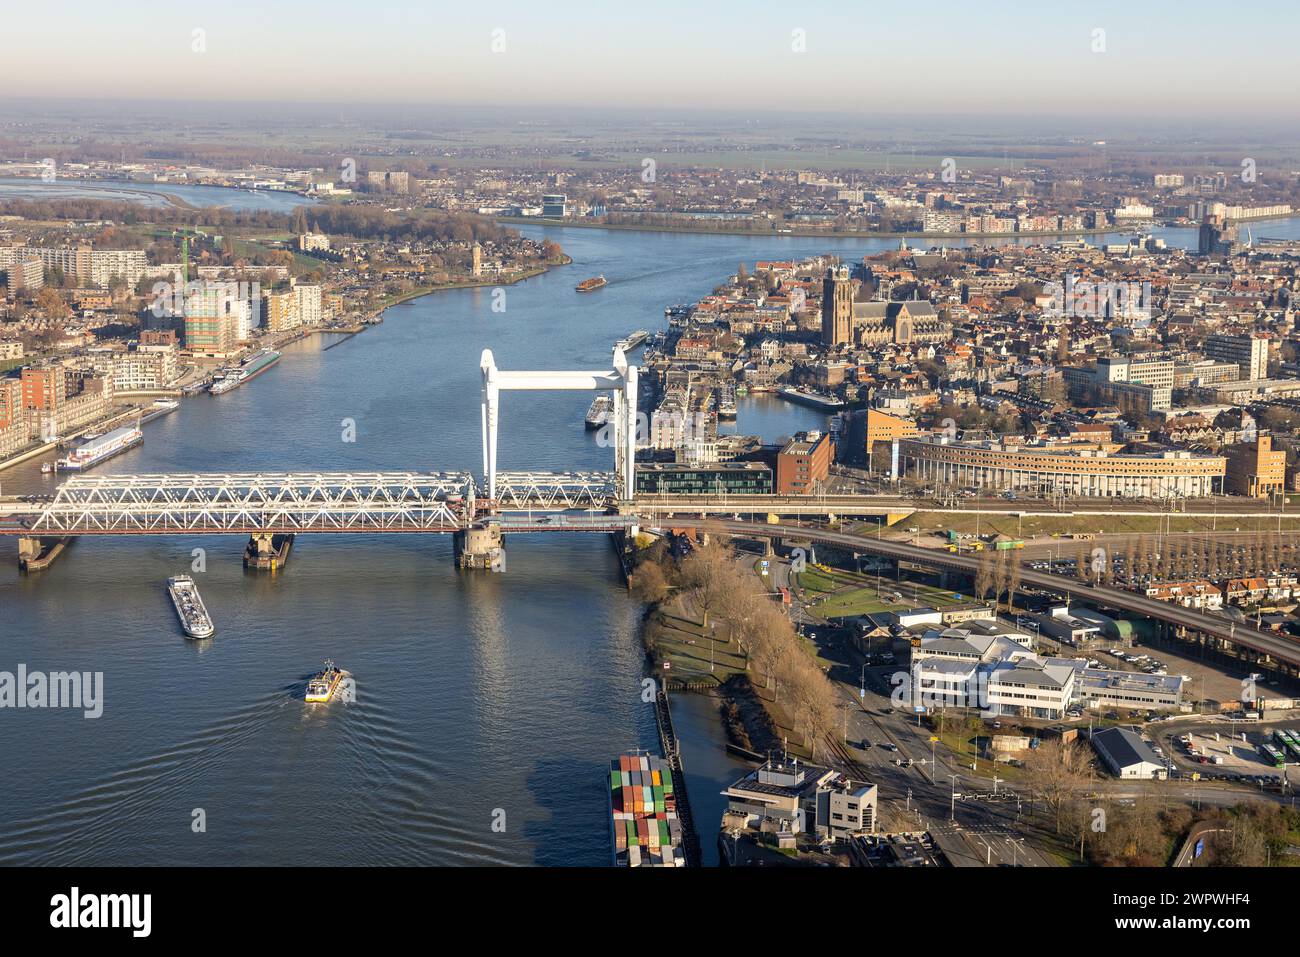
[{"x": 1173, "y": 58}]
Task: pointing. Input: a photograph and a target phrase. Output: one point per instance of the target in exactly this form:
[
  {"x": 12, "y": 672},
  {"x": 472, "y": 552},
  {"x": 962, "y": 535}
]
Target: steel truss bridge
[{"x": 306, "y": 502}]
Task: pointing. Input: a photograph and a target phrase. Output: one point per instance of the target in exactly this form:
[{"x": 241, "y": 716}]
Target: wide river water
[{"x": 481, "y": 698}]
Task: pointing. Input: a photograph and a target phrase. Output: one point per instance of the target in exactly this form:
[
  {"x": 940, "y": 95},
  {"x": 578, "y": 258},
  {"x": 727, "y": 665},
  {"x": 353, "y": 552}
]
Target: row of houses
[{"x": 1205, "y": 594}]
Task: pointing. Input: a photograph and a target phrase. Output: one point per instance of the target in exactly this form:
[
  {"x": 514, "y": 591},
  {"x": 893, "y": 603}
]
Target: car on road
[
  {"x": 864, "y": 745},
  {"x": 887, "y": 711},
  {"x": 889, "y": 746}
]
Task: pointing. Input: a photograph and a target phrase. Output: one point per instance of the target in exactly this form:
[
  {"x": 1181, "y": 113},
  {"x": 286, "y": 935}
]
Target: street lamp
[
  {"x": 1017, "y": 844},
  {"x": 952, "y": 807}
]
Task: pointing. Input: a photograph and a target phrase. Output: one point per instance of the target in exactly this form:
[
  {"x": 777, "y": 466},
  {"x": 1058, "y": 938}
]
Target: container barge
[
  {"x": 645, "y": 830},
  {"x": 591, "y": 285},
  {"x": 100, "y": 449},
  {"x": 193, "y": 614}
]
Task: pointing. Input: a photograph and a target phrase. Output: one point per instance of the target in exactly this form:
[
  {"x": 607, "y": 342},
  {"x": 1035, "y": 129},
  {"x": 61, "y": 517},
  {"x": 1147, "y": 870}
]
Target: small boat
[
  {"x": 587, "y": 285},
  {"x": 48, "y": 468},
  {"x": 325, "y": 685}
]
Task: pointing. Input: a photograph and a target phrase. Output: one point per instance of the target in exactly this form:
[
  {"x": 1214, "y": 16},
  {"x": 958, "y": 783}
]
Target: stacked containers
[{"x": 646, "y": 829}]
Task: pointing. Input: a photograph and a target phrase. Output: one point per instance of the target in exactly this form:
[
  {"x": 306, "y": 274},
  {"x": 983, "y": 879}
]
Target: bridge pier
[
  {"x": 36, "y": 554},
  {"x": 481, "y": 547},
  {"x": 267, "y": 552}
]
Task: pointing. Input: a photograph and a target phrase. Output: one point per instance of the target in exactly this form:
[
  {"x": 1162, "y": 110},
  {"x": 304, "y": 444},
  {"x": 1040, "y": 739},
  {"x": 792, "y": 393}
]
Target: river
[{"x": 487, "y": 706}]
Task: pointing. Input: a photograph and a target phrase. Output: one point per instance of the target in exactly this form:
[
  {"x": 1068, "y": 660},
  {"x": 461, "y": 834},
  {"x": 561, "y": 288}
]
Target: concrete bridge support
[
  {"x": 267, "y": 552},
  {"x": 36, "y": 554},
  {"x": 482, "y": 547}
]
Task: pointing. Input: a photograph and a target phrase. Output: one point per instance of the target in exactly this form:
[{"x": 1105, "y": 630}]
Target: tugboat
[
  {"x": 324, "y": 686},
  {"x": 588, "y": 285}
]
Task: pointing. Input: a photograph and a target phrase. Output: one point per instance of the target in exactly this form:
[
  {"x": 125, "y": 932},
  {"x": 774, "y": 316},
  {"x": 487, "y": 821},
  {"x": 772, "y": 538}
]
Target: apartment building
[{"x": 1250, "y": 353}]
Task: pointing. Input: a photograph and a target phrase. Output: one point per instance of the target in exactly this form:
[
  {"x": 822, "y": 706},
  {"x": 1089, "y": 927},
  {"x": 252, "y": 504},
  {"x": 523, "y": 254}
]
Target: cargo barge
[
  {"x": 645, "y": 830},
  {"x": 100, "y": 449},
  {"x": 590, "y": 285},
  {"x": 189, "y": 607}
]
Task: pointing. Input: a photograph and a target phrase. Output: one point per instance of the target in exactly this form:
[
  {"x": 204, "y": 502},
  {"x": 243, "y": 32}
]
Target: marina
[{"x": 193, "y": 614}]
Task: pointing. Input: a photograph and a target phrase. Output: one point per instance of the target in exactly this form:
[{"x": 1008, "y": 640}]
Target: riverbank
[{"x": 795, "y": 231}]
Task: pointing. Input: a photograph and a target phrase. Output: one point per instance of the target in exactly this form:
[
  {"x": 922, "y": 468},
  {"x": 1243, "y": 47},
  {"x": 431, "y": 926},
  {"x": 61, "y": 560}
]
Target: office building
[
  {"x": 1255, "y": 468},
  {"x": 804, "y": 464}
]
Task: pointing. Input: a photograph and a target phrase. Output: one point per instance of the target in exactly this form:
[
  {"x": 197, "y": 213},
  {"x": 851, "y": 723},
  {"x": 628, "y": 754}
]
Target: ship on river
[
  {"x": 600, "y": 412},
  {"x": 193, "y": 614},
  {"x": 250, "y": 369},
  {"x": 645, "y": 830},
  {"x": 632, "y": 341},
  {"x": 100, "y": 449},
  {"x": 814, "y": 400},
  {"x": 590, "y": 285}
]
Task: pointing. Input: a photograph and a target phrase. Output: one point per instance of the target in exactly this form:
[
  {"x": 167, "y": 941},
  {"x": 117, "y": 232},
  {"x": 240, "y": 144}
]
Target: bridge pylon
[{"x": 621, "y": 380}]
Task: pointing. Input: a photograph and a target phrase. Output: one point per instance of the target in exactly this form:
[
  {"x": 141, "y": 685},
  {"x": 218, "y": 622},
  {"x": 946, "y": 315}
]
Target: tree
[{"x": 1055, "y": 772}]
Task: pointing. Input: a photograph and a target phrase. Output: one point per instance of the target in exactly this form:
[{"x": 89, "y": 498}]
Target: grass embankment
[
  {"x": 1082, "y": 523},
  {"x": 836, "y": 593}
]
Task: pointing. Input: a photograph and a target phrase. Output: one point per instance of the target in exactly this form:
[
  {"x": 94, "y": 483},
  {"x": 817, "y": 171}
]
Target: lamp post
[{"x": 952, "y": 807}]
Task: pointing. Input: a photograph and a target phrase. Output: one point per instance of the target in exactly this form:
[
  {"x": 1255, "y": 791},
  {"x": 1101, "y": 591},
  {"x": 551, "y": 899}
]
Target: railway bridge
[{"x": 266, "y": 505}]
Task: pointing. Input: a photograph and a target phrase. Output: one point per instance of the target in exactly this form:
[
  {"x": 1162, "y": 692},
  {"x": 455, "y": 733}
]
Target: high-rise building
[
  {"x": 26, "y": 276},
  {"x": 307, "y": 301},
  {"x": 837, "y": 307},
  {"x": 281, "y": 312},
  {"x": 213, "y": 320},
  {"x": 1250, "y": 353},
  {"x": 554, "y": 205}
]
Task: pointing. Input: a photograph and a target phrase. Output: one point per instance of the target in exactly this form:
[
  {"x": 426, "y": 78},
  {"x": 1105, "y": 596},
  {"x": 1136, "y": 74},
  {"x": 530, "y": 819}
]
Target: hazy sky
[{"x": 1161, "y": 56}]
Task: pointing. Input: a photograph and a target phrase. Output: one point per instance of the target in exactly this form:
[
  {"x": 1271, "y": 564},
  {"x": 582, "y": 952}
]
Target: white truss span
[
  {"x": 263, "y": 502},
  {"x": 552, "y": 491}
]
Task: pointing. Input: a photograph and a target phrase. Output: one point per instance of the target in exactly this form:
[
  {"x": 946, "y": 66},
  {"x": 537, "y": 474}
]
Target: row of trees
[
  {"x": 731, "y": 601},
  {"x": 998, "y": 574},
  {"x": 1181, "y": 558}
]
